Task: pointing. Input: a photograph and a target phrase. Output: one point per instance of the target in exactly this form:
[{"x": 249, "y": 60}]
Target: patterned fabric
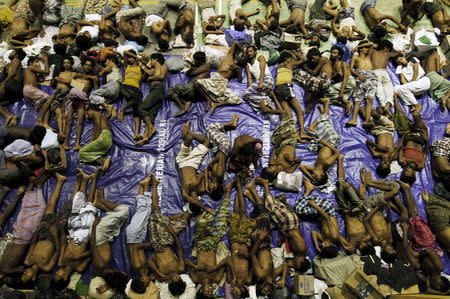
[
  {"x": 310, "y": 82},
  {"x": 76, "y": 99},
  {"x": 285, "y": 219},
  {"x": 441, "y": 148},
  {"x": 401, "y": 122},
  {"x": 210, "y": 229},
  {"x": 160, "y": 238},
  {"x": 240, "y": 230},
  {"x": 324, "y": 130},
  {"x": 374, "y": 200},
  {"x": 382, "y": 126},
  {"x": 438, "y": 212},
  {"x": 216, "y": 134},
  {"x": 423, "y": 237},
  {"x": 333, "y": 91},
  {"x": 365, "y": 89},
  {"x": 30, "y": 214},
  {"x": 71, "y": 14},
  {"x": 95, "y": 6},
  {"x": 254, "y": 97},
  {"x": 302, "y": 208},
  {"x": 59, "y": 100},
  {"x": 217, "y": 89},
  {"x": 23, "y": 10},
  {"x": 284, "y": 134}
]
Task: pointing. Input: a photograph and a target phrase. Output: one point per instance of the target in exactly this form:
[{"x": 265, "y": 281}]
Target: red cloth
[
  {"x": 423, "y": 237},
  {"x": 413, "y": 154}
]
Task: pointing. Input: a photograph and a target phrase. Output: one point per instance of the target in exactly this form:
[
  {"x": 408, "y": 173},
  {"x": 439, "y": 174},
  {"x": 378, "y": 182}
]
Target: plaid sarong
[
  {"x": 159, "y": 237},
  {"x": 254, "y": 97},
  {"x": 365, "y": 89},
  {"x": 217, "y": 89},
  {"x": 281, "y": 214},
  {"x": 240, "y": 230},
  {"x": 302, "y": 208},
  {"x": 333, "y": 91},
  {"x": 324, "y": 130},
  {"x": 423, "y": 237},
  {"x": 310, "y": 82},
  {"x": 216, "y": 134},
  {"x": 438, "y": 212},
  {"x": 441, "y": 148},
  {"x": 210, "y": 229},
  {"x": 284, "y": 134}
]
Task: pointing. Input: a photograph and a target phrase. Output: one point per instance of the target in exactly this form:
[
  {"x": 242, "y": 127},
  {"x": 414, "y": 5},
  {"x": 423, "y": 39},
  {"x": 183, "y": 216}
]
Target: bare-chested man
[
  {"x": 361, "y": 68},
  {"x": 212, "y": 26},
  {"x": 188, "y": 160},
  {"x": 271, "y": 22},
  {"x": 296, "y": 20},
  {"x": 107, "y": 27},
  {"x": 215, "y": 89},
  {"x": 75, "y": 252},
  {"x": 315, "y": 78},
  {"x": 374, "y": 19},
  {"x": 184, "y": 25},
  {"x": 327, "y": 139},
  {"x": 245, "y": 154},
  {"x": 184, "y": 94},
  {"x": 130, "y": 23},
  {"x": 440, "y": 157},
  {"x": 240, "y": 18},
  {"x": 39, "y": 99},
  {"x": 26, "y": 12},
  {"x": 11, "y": 87},
  {"x": 437, "y": 12},
  {"x": 221, "y": 143}
]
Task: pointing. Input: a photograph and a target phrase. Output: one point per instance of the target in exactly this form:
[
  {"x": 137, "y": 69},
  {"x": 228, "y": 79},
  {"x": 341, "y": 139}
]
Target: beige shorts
[{"x": 191, "y": 157}]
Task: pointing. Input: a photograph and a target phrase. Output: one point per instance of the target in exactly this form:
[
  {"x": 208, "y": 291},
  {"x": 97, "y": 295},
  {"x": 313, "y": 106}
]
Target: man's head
[
  {"x": 60, "y": 49},
  {"x": 157, "y": 58},
  {"x": 384, "y": 168},
  {"x": 388, "y": 253},
  {"x": 301, "y": 264},
  {"x": 199, "y": 58},
  {"x": 314, "y": 55},
  {"x": 273, "y": 25},
  {"x": 138, "y": 285},
  {"x": 131, "y": 59},
  {"x": 379, "y": 31},
  {"x": 292, "y": 29},
  {"x": 112, "y": 59},
  {"x": 251, "y": 52},
  {"x": 270, "y": 173},
  {"x": 409, "y": 173},
  {"x": 34, "y": 61},
  {"x": 142, "y": 40},
  {"x": 320, "y": 178},
  {"x": 385, "y": 45},
  {"x": 341, "y": 40},
  {"x": 83, "y": 42},
  {"x": 188, "y": 37},
  {"x": 344, "y": 32},
  {"x": 88, "y": 66},
  {"x": 19, "y": 54},
  {"x": 206, "y": 291},
  {"x": 216, "y": 191},
  {"x": 37, "y": 134},
  {"x": 61, "y": 280},
  {"x": 264, "y": 288},
  {"x": 441, "y": 285},
  {"x": 67, "y": 63},
  {"x": 314, "y": 41},
  {"x": 116, "y": 280},
  {"x": 329, "y": 252},
  {"x": 163, "y": 44},
  {"x": 363, "y": 49},
  {"x": 285, "y": 56},
  {"x": 62, "y": 274},
  {"x": 400, "y": 59},
  {"x": 239, "y": 27},
  {"x": 336, "y": 53},
  {"x": 177, "y": 286}
]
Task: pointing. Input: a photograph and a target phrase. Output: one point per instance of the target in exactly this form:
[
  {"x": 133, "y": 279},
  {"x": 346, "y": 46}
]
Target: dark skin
[
  {"x": 326, "y": 157},
  {"x": 404, "y": 62},
  {"x": 107, "y": 28},
  {"x": 215, "y": 171},
  {"x": 131, "y": 28},
  {"x": 138, "y": 259},
  {"x": 242, "y": 17},
  {"x": 341, "y": 73},
  {"x": 441, "y": 19},
  {"x": 110, "y": 65},
  {"x": 213, "y": 25},
  {"x": 296, "y": 18},
  {"x": 272, "y": 21},
  {"x": 432, "y": 63},
  {"x": 192, "y": 183},
  {"x": 373, "y": 17},
  {"x": 76, "y": 257},
  {"x": 14, "y": 71},
  {"x": 239, "y": 162},
  {"x": 43, "y": 254},
  {"x": 329, "y": 234},
  {"x": 440, "y": 166},
  {"x": 184, "y": 24},
  {"x": 384, "y": 146},
  {"x": 346, "y": 31}
]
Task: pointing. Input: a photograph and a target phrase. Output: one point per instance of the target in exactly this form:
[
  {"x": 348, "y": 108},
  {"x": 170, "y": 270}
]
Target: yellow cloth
[
  {"x": 6, "y": 18},
  {"x": 133, "y": 75},
  {"x": 284, "y": 75}
]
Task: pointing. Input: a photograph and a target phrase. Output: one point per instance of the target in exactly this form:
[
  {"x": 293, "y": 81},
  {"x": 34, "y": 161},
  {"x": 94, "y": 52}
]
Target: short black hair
[
  {"x": 116, "y": 280},
  {"x": 188, "y": 37},
  {"x": 138, "y": 286},
  {"x": 54, "y": 155},
  {"x": 284, "y": 55},
  {"x": 199, "y": 56},
  {"x": 252, "y": 46},
  {"x": 177, "y": 288},
  {"x": 323, "y": 180},
  {"x": 60, "y": 49},
  {"x": 113, "y": 58},
  {"x": 83, "y": 42},
  {"x": 217, "y": 193},
  {"x": 195, "y": 209},
  {"x": 329, "y": 252},
  {"x": 239, "y": 27},
  {"x": 379, "y": 31},
  {"x": 248, "y": 148},
  {"x": 394, "y": 59},
  {"x": 60, "y": 284},
  {"x": 267, "y": 175},
  {"x": 273, "y": 24},
  {"x": 342, "y": 40},
  {"x": 202, "y": 296},
  {"x": 313, "y": 52},
  {"x": 383, "y": 171},
  {"x": 142, "y": 40},
  {"x": 385, "y": 44},
  {"x": 87, "y": 58},
  {"x": 409, "y": 179},
  {"x": 37, "y": 134},
  {"x": 292, "y": 29},
  {"x": 20, "y": 54},
  {"x": 110, "y": 42},
  {"x": 339, "y": 49},
  {"x": 159, "y": 57},
  {"x": 68, "y": 57},
  {"x": 162, "y": 44},
  {"x": 304, "y": 266},
  {"x": 367, "y": 250},
  {"x": 32, "y": 59}
]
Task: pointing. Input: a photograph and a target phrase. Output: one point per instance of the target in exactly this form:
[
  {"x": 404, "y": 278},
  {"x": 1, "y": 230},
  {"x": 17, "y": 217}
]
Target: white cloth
[
  {"x": 81, "y": 219},
  {"x": 423, "y": 47},
  {"x": 178, "y": 42},
  {"x": 114, "y": 76},
  {"x": 256, "y": 72},
  {"x": 213, "y": 56},
  {"x": 50, "y": 140},
  {"x": 137, "y": 229},
  {"x": 50, "y": 31},
  {"x": 347, "y": 22},
  {"x": 36, "y": 48},
  {"x": 92, "y": 17},
  {"x": 121, "y": 49},
  {"x": 289, "y": 181},
  {"x": 94, "y": 284},
  {"x": 152, "y": 19},
  {"x": 408, "y": 91},
  {"x": 18, "y": 148},
  {"x": 385, "y": 89},
  {"x": 191, "y": 157},
  {"x": 216, "y": 39},
  {"x": 189, "y": 293},
  {"x": 207, "y": 13},
  {"x": 93, "y": 30},
  {"x": 109, "y": 226},
  {"x": 234, "y": 5},
  {"x": 408, "y": 70}
]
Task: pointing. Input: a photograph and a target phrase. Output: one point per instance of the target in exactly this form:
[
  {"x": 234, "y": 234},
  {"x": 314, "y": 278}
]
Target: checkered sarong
[
  {"x": 282, "y": 215},
  {"x": 324, "y": 130},
  {"x": 310, "y": 82},
  {"x": 254, "y": 97},
  {"x": 216, "y": 134},
  {"x": 365, "y": 89},
  {"x": 303, "y": 209},
  {"x": 441, "y": 148}
]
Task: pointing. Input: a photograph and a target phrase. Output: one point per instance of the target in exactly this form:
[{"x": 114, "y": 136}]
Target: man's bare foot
[
  {"x": 145, "y": 138},
  {"x": 248, "y": 193},
  {"x": 304, "y": 138},
  {"x": 324, "y": 101},
  {"x": 76, "y": 147},
  {"x": 109, "y": 109},
  {"x": 121, "y": 116},
  {"x": 309, "y": 187},
  {"x": 155, "y": 180},
  {"x": 351, "y": 124},
  {"x": 9, "y": 119},
  {"x": 147, "y": 181},
  {"x": 184, "y": 110},
  {"x": 97, "y": 198},
  {"x": 137, "y": 136},
  {"x": 348, "y": 107},
  {"x": 82, "y": 175},
  {"x": 106, "y": 162},
  {"x": 416, "y": 108},
  {"x": 234, "y": 121},
  {"x": 425, "y": 196},
  {"x": 403, "y": 185},
  {"x": 341, "y": 157},
  {"x": 60, "y": 177},
  {"x": 186, "y": 129}
]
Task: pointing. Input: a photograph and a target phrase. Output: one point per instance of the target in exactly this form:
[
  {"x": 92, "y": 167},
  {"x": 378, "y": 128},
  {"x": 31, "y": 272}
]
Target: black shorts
[{"x": 284, "y": 91}]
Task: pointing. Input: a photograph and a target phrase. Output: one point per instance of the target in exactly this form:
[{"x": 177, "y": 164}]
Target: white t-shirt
[
  {"x": 93, "y": 30},
  {"x": 408, "y": 70},
  {"x": 152, "y": 19}
]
